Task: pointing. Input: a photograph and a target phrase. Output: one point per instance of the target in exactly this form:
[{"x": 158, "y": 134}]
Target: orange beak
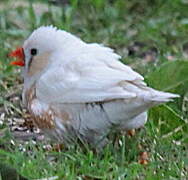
[{"x": 19, "y": 54}]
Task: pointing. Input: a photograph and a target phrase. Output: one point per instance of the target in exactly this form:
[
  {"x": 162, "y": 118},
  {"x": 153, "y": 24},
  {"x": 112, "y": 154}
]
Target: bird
[{"x": 78, "y": 90}]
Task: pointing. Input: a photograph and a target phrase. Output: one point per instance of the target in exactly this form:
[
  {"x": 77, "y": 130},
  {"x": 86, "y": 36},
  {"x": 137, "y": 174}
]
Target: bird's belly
[
  {"x": 98, "y": 119},
  {"x": 92, "y": 121}
]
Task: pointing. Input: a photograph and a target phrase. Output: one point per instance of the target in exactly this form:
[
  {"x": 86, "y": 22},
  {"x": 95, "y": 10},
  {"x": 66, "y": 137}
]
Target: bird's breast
[{"x": 42, "y": 114}]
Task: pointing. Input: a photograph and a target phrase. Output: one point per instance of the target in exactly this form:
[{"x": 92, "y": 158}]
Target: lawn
[{"x": 152, "y": 37}]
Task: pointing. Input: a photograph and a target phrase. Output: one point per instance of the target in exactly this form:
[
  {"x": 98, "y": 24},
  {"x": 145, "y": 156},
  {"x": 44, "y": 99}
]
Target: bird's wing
[{"x": 93, "y": 76}]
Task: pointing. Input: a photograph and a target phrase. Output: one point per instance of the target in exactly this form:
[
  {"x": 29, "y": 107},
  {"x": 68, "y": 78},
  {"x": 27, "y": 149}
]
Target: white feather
[
  {"x": 81, "y": 73},
  {"x": 92, "y": 75}
]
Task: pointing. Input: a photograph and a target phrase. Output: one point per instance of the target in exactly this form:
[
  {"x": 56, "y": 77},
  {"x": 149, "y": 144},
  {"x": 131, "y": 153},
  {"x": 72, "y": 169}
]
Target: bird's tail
[{"x": 160, "y": 96}]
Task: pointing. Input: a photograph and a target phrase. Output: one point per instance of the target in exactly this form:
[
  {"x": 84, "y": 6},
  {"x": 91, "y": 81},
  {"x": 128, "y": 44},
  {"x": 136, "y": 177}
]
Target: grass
[{"x": 118, "y": 24}]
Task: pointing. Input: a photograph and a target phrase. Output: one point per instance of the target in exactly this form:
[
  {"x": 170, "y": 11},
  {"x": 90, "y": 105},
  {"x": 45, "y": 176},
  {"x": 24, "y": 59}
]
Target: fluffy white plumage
[{"x": 88, "y": 82}]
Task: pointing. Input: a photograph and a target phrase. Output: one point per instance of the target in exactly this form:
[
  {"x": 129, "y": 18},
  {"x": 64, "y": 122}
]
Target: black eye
[{"x": 33, "y": 52}]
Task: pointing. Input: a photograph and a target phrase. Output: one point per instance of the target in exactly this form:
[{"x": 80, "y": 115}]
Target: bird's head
[{"x": 37, "y": 50}]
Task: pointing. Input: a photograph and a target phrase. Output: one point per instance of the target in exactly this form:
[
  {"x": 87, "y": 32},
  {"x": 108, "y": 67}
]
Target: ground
[{"x": 151, "y": 37}]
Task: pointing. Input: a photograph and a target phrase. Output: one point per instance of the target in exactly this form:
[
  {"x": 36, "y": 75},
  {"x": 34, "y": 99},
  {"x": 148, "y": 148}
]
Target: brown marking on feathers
[
  {"x": 30, "y": 95},
  {"x": 38, "y": 63},
  {"x": 46, "y": 119}
]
